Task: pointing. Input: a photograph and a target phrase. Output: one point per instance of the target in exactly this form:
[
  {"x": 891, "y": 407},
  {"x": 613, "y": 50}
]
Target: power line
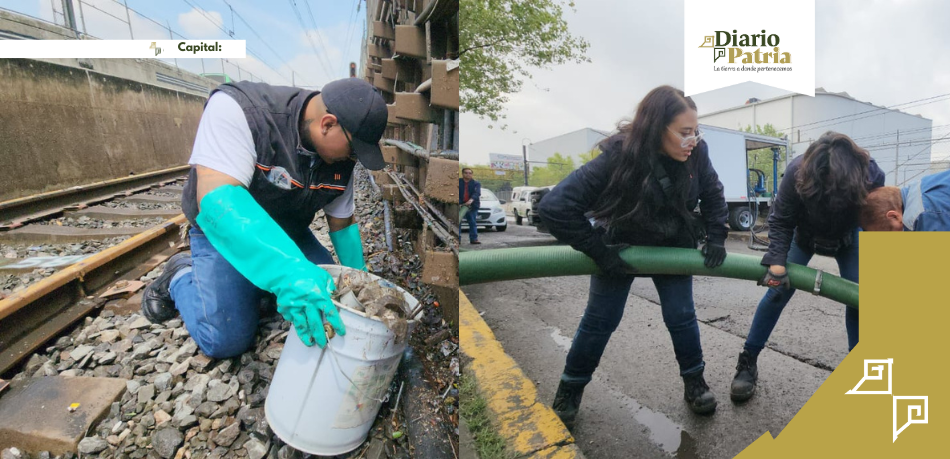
[
  {"x": 316, "y": 31},
  {"x": 349, "y": 35},
  {"x": 867, "y": 111},
  {"x": 303, "y": 27},
  {"x": 236, "y": 13},
  {"x": 220, "y": 27}
]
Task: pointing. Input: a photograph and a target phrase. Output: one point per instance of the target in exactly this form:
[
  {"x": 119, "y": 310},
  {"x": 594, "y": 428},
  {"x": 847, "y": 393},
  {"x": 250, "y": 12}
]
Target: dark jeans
[
  {"x": 774, "y": 301},
  {"x": 472, "y": 227},
  {"x": 220, "y": 306},
  {"x": 605, "y": 305}
]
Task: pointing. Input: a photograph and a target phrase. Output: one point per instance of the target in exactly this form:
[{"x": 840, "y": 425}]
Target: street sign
[{"x": 506, "y": 162}]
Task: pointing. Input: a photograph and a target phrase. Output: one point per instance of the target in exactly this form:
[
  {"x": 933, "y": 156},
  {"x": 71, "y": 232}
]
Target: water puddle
[{"x": 664, "y": 432}]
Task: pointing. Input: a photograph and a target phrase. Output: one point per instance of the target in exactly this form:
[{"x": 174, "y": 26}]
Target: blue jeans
[
  {"x": 605, "y": 305},
  {"x": 219, "y": 305},
  {"x": 472, "y": 227},
  {"x": 774, "y": 301}
]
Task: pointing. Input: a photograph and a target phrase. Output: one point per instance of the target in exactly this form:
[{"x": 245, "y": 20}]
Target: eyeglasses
[
  {"x": 685, "y": 141},
  {"x": 349, "y": 140}
]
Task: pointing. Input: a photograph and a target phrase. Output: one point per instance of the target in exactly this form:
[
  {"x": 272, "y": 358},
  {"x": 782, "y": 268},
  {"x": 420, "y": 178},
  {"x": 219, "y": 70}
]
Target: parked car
[
  {"x": 490, "y": 214},
  {"x": 521, "y": 203},
  {"x": 534, "y": 197}
]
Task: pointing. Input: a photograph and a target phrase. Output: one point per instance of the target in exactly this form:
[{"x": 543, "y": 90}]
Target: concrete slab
[
  {"x": 26, "y": 265},
  {"x": 442, "y": 180},
  {"x": 34, "y": 418},
  {"x": 466, "y": 443},
  {"x": 115, "y": 213},
  {"x": 150, "y": 198},
  {"x": 60, "y": 234}
]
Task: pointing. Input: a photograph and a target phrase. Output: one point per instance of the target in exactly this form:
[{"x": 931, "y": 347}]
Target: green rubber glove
[
  {"x": 249, "y": 239},
  {"x": 349, "y": 247}
]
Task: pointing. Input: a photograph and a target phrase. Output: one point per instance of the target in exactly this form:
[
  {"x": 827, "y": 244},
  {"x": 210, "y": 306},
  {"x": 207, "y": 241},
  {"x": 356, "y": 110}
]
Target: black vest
[{"x": 291, "y": 198}]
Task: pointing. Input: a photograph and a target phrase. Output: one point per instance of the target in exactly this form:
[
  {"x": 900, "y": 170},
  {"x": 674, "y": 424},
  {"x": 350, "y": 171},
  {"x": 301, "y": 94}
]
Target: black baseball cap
[{"x": 361, "y": 110}]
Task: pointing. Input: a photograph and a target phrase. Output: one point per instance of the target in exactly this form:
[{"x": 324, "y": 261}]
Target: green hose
[{"x": 481, "y": 266}]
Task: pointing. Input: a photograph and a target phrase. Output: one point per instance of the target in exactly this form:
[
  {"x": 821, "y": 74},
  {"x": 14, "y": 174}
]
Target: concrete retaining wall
[{"x": 62, "y": 126}]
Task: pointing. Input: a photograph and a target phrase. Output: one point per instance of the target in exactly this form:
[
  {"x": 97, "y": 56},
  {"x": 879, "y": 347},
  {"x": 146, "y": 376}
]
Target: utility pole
[
  {"x": 897, "y": 156},
  {"x": 524, "y": 152},
  {"x": 128, "y": 18},
  {"x": 69, "y": 15}
]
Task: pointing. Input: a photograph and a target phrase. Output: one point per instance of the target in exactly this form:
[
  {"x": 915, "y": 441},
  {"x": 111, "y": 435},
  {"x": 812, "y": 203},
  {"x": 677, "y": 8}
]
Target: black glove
[
  {"x": 715, "y": 253},
  {"x": 775, "y": 280},
  {"x": 608, "y": 260}
]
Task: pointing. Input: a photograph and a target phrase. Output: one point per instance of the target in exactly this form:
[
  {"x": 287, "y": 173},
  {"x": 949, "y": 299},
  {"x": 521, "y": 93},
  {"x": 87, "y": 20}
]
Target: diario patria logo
[
  {"x": 729, "y": 42},
  {"x": 735, "y": 48}
]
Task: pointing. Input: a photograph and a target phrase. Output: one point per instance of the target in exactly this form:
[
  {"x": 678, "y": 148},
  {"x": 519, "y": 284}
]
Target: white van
[{"x": 521, "y": 203}]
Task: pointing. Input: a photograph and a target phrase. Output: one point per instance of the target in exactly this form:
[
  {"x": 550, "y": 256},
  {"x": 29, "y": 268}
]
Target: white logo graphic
[
  {"x": 912, "y": 410},
  {"x": 878, "y": 367},
  {"x": 869, "y": 366},
  {"x": 728, "y": 42}
]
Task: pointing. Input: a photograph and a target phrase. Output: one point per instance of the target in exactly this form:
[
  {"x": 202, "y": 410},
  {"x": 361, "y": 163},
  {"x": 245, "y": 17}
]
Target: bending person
[
  {"x": 921, "y": 206},
  {"x": 640, "y": 191},
  {"x": 815, "y": 212},
  {"x": 265, "y": 160}
]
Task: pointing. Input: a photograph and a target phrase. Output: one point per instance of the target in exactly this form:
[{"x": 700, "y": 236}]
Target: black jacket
[
  {"x": 289, "y": 182},
  {"x": 564, "y": 207},
  {"x": 789, "y": 217}
]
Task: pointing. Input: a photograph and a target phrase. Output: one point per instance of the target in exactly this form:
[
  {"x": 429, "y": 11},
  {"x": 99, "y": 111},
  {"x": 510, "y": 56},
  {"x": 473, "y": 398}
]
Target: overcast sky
[
  {"x": 277, "y": 42},
  {"x": 884, "y": 52}
]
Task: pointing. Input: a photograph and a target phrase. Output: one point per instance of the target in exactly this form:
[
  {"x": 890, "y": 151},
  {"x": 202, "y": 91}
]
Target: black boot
[
  {"x": 747, "y": 372},
  {"x": 157, "y": 304},
  {"x": 697, "y": 394},
  {"x": 567, "y": 401}
]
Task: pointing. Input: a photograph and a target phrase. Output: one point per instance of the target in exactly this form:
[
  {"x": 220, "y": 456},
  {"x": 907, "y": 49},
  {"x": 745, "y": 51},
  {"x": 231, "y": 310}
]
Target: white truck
[
  {"x": 729, "y": 151},
  {"x": 745, "y": 188}
]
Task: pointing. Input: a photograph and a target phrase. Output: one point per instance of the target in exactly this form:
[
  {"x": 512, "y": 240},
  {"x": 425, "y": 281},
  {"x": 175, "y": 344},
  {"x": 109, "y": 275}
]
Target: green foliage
[
  {"x": 557, "y": 169},
  {"x": 761, "y": 159},
  {"x": 590, "y": 155},
  {"x": 491, "y": 180},
  {"x": 500, "y": 40}
]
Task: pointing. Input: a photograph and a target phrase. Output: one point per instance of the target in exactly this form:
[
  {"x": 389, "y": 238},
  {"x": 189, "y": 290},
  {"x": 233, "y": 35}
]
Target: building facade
[{"x": 899, "y": 142}]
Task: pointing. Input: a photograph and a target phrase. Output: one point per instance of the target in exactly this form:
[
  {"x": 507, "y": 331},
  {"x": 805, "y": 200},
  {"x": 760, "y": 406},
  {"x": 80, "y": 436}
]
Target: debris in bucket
[{"x": 378, "y": 299}]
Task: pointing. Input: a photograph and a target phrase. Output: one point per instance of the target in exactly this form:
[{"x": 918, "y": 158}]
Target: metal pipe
[
  {"x": 420, "y": 152},
  {"x": 388, "y": 225},
  {"x": 432, "y": 208},
  {"x": 436, "y": 228},
  {"x": 425, "y": 86}
]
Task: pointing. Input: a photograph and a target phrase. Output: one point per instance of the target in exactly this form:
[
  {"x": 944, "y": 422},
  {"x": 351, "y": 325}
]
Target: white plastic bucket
[{"x": 324, "y": 401}]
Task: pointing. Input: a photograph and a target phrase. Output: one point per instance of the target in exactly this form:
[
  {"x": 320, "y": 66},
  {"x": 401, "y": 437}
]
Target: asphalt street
[{"x": 634, "y": 406}]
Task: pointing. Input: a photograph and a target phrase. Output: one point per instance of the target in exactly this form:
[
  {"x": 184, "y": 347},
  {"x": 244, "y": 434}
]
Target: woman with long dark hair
[
  {"x": 816, "y": 211},
  {"x": 641, "y": 190}
]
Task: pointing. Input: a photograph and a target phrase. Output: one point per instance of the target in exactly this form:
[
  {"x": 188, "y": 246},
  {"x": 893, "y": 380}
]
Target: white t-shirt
[{"x": 224, "y": 143}]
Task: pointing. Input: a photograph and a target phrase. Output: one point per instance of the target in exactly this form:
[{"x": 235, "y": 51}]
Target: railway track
[{"x": 43, "y": 309}]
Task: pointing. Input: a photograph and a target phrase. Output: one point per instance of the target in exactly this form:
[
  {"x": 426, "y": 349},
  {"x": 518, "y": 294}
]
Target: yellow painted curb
[{"x": 530, "y": 428}]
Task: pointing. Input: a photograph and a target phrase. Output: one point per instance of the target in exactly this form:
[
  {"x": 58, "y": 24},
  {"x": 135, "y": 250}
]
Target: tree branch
[{"x": 486, "y": 45}]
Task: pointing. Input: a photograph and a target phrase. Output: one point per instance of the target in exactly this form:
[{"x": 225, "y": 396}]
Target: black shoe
[
  {"x": 567, "y": 401},
  {"x": 157, "y": 304},
  {"x": 697, "y": 394},
  {"x": 747, "y": 372}
]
